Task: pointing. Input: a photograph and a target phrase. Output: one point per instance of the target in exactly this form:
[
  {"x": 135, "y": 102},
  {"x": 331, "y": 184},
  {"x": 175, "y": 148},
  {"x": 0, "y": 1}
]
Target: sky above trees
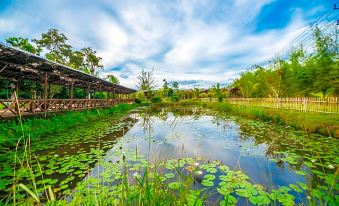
[{"x": 196, "y": 43}]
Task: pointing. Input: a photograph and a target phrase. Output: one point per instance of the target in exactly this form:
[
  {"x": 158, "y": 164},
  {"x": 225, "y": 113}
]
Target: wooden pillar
[
  {"x": 88, "y": 91},
  {"x": 71, "y": 88},
  {"x": 88, "y": 95},
  {"x": 100, "y": 97},
  {"x": 45, "y": 94},
  {"x": 17, "y": 88},
  {"x": 84, "y": 90}
]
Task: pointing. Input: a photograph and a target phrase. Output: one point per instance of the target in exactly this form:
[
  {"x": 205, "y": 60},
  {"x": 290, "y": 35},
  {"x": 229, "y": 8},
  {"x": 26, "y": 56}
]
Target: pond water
[{"x": 273, "y": 156}]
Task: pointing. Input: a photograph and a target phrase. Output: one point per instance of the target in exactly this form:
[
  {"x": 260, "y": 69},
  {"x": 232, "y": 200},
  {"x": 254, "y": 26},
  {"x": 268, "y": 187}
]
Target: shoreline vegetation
[
  {"x": 36, "y": 127},
  {"x": 324, "y": 124},
  {"x": 168, "y": 182}
]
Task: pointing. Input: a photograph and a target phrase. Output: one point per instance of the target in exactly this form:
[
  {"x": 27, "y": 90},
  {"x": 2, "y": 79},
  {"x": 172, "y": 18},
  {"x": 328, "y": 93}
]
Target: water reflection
[{"x": 164, "y": 133}]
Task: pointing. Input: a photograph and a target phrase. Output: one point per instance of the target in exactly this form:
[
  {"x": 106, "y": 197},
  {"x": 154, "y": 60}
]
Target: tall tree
[
  {"x": 92, "y": 62},
  {"x": 165, "y": 85},
  {"x": 146, "y": 81},
  {"x": 76, "y": 60},
  {"x": 55, "y": 44},
  {"x": 175, "y": 86}
]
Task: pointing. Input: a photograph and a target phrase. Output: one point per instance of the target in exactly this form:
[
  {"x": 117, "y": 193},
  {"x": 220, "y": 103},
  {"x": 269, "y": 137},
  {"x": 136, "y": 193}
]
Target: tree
[
  {"x": 165, "y": 85},
  {"x": 23, "y": 44},
  {"x": 113, "y": 79},
  {"x": 216, "y": 90},
  {"x": 91, "y": 61},
  {"x": 175, "y": 86},
  {"x": 76, "y": 60},
  {"x": 146, "y": 81},
  {"x": 55, "y": 44}
]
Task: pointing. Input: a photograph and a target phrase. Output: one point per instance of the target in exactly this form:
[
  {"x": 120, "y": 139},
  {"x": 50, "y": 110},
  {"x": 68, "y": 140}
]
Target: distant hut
[{"x": 234, "y": 92}]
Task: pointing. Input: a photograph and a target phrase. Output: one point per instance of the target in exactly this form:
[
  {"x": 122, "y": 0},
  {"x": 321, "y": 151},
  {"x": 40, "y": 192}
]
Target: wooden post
[
  {"x": 88, "y": 94},
  {"x": 71, "y": 93},
  {"x": 49, "y": 90},
  {"x": 45, "y": 94},
  {"x": 17, "y": 87}
]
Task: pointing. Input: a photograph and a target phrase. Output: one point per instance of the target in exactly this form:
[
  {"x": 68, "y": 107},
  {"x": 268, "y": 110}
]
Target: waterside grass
[
  {"x": 324, "y": 124},
  {"x": 36, "y": 127},
  {"x": 130, "y": 179}
]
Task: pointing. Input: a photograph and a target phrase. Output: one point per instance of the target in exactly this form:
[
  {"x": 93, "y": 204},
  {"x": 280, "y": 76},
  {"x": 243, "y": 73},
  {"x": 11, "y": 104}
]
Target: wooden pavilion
[{"x": 17, "y": 65}]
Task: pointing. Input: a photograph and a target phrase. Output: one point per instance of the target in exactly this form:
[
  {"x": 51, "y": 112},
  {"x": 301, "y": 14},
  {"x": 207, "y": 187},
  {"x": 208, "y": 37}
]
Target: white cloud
[{"x": 209, "y": 41}]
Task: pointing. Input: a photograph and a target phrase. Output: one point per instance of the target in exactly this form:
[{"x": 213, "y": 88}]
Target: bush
[
  {"x": 156, "y": 99},
  {"x": 137, "y": 100},
  {"x": 175, "y": 98}
]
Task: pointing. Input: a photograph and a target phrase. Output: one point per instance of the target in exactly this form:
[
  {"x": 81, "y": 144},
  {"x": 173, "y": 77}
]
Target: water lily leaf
[
  {"x": 209, "y": 177},
  {"x": 229, "y": 200},
  {"x": 174, "y": 185},
  {"x": 211, "y": 170},
  {"x": 207, "y": 183},
  {"x": 243, "y": 193},
  {"x": 169, "y": 175}
]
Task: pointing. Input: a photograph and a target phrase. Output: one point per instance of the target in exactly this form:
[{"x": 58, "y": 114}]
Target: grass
[
  {"x": 325, "y": 124},
  {"x": 36, "y": 127}
]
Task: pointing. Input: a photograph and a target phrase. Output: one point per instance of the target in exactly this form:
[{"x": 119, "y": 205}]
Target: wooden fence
[
  {"x": 311, "y": 104},
  {"x": 24, "y": 107}
]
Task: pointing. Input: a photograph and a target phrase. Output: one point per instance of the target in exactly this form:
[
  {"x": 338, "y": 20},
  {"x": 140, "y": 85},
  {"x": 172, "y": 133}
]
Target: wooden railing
[
  {"x": 328, "y": 105},
  {"x": 10, "y": 108}
]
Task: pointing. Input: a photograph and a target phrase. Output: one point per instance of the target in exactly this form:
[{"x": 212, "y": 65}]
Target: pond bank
[
  {"x": 12, "y": 130},
  {"x": 324, "y": 124}
]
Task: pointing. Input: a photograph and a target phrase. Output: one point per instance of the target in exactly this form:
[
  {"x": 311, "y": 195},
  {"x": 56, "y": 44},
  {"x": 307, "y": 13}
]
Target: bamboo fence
[{"x": 328, "y": 105}]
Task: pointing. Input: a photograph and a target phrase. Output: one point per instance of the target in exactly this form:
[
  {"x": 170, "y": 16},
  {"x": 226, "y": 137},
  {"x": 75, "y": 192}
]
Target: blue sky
[{"x": 195, "y": 42}]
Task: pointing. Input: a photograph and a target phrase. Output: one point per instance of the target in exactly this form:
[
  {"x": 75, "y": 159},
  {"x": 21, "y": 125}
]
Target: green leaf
[
  {"x": 207, "y": 183},
  {"x": 209, "y": 177},
  {"x": 174, "y": 185},
  {"x": 30, "y": 192},
  {"x": 169, "y": 175}
]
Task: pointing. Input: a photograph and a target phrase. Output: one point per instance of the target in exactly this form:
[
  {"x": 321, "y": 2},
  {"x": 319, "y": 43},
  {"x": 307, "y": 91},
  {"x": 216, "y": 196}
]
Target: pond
[{"x": 273, "y": 156}]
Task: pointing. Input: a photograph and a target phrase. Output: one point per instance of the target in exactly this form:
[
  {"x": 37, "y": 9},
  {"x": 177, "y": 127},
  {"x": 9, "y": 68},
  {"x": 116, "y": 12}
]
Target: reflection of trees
[{"x": 146, "y": 121}]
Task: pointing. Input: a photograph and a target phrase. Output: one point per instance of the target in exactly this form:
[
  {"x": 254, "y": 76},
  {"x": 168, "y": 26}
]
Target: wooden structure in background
[
  {"x": 16, "y": 65},
  {"x": 329, "y": 105}
]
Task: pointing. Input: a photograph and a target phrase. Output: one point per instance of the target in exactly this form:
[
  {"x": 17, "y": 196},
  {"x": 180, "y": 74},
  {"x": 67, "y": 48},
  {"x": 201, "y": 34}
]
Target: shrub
[
  {"x": 175, "y": 98},
  {"x": 156, "y": 99},
  {"x": 137, "y": 100}
]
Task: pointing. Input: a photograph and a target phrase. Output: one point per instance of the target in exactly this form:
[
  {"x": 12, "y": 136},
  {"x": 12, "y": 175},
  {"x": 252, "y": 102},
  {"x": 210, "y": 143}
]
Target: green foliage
[
  {"x": 137, "y": 101},
  {"x": 146, "y": 81},
  {"x": 55, "y": 46},
  {"x": 92, "y": 62},
  {"x": 23, "y": 44},
  {"x": 156, "y": 99},
  {"x": 175, "y": 98},
  {"x": 113, "y": 79},
  {"x": 38, "y": 128},
  {"x": 303, "y": 74}
]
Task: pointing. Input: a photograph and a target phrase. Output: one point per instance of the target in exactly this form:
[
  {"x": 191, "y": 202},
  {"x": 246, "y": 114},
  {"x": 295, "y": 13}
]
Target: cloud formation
[{"x": 197, "y": 43}]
